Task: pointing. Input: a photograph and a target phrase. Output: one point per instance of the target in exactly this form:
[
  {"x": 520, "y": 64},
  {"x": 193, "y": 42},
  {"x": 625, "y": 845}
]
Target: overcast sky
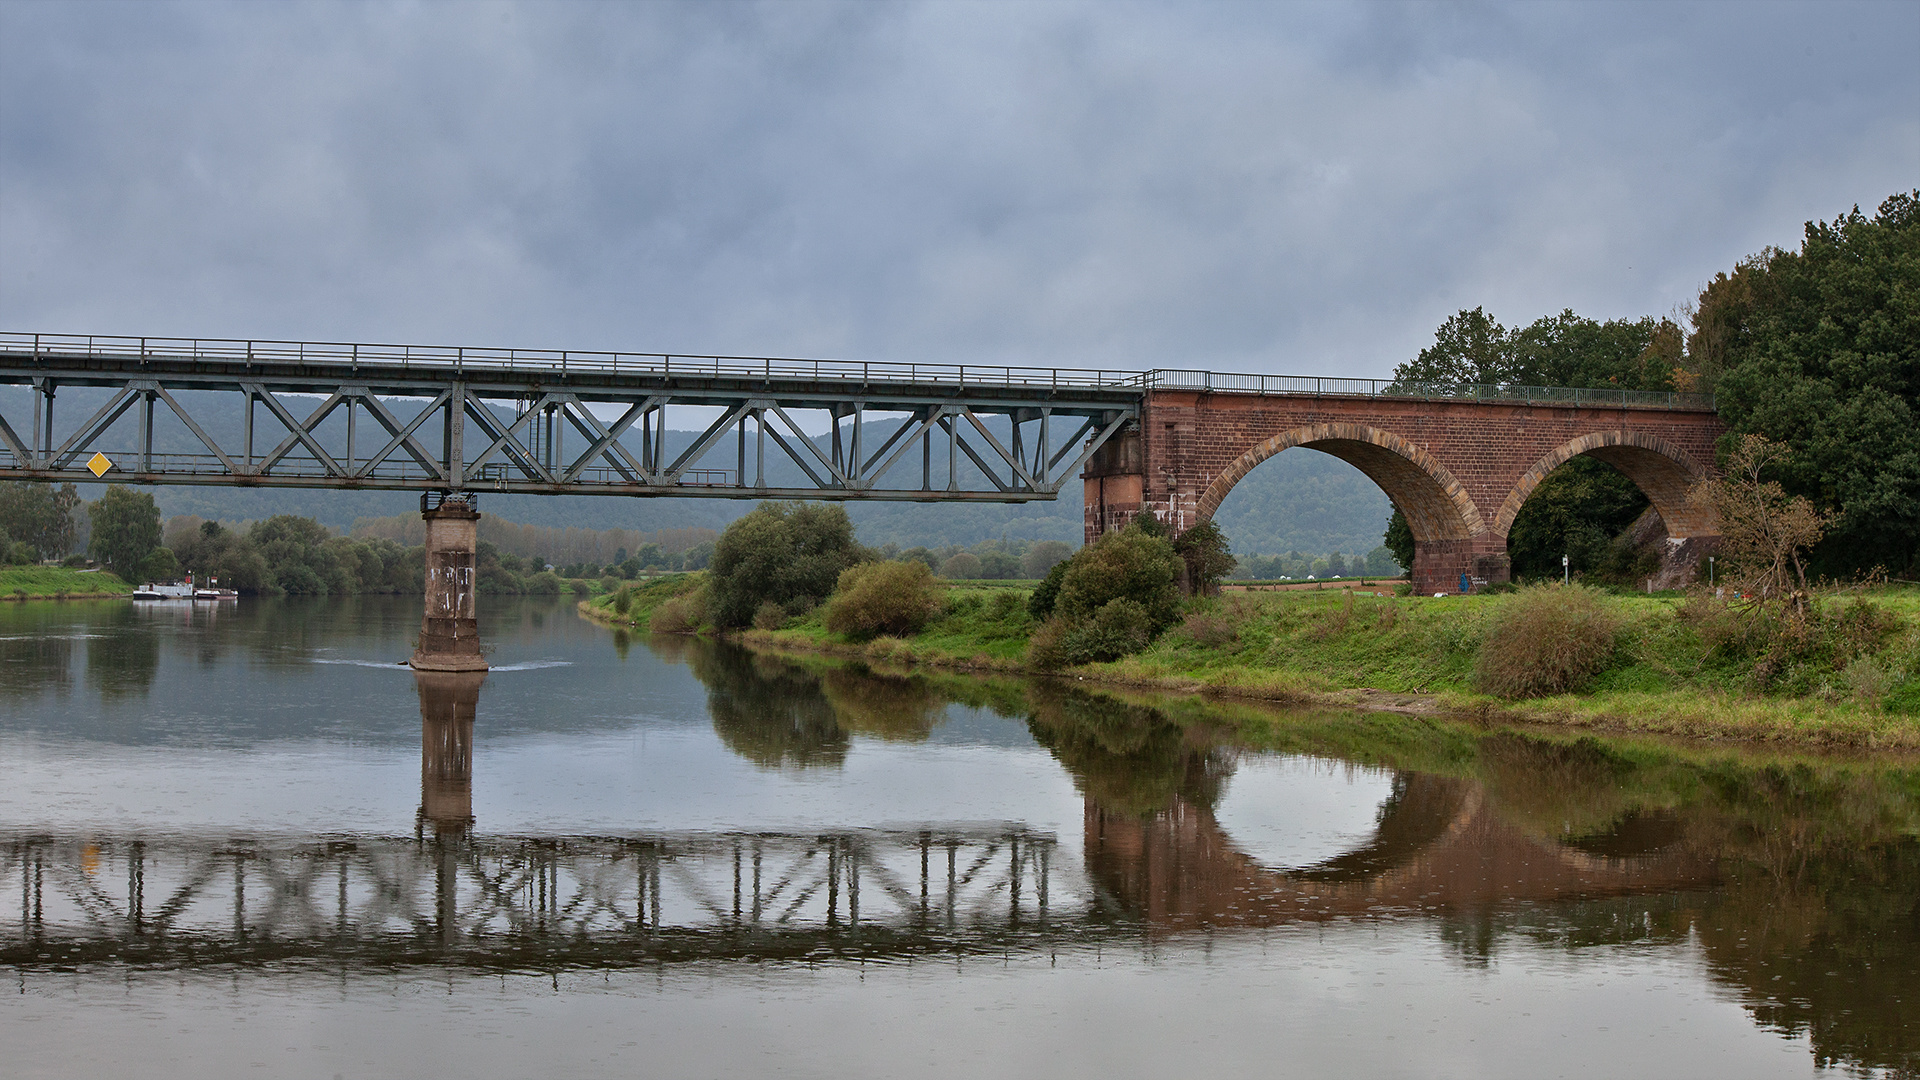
[{"x": 1287, "y": 188}]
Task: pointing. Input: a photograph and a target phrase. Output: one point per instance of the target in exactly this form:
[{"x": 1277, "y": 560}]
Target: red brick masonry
[{"x": 1459, "y": 470}]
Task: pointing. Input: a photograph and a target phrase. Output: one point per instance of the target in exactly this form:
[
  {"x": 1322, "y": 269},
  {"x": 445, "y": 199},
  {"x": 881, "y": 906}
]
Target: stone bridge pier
[
  {"x": 449, "y": 635},
  {"x": 1460, "y": 470}
]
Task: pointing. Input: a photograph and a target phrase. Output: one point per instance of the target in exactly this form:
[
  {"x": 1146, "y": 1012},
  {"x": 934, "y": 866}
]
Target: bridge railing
[
  {"x": 436, "y": 358},
  {"x": 433, "y": 358},
  {"x": 1234, "y": 383}
]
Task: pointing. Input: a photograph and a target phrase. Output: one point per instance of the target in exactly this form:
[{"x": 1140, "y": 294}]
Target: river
[{"x": 243, "y": 840}]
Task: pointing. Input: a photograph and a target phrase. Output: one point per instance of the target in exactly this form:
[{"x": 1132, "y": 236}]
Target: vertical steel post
[
  {"x": 146, "y": 431},
  {"x": 456, "y": 462}
]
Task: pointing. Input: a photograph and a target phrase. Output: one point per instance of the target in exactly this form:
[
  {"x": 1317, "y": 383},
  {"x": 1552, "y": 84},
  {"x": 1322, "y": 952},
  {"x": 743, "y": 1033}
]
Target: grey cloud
[{"x": 1266, "y": 187}]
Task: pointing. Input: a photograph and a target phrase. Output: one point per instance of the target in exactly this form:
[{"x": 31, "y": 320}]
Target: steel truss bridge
[
  {"x": 342, "y": 415},
  {"x": 409, "y": 417},
  {"x": 537, "y": 903}
]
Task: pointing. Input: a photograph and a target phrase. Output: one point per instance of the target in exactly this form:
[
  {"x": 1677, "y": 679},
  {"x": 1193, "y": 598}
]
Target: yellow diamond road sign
[{"x": 98, "y": 464}]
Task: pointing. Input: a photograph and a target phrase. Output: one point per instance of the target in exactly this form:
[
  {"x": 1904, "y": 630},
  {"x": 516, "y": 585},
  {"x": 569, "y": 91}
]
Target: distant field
[{"x": 17, "y": 582}]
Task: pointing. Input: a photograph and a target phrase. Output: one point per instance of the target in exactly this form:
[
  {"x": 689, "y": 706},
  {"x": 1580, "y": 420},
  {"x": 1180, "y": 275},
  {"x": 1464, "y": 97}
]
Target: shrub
[
  {"x": 783, "y": 552},
  {"x": 1133, "y": 564},
  {"x": 1209, "y": 629},
  {"x": 681, "y": 614},
  {"x": 1120, "y": 628},
  {"x": 1046, "y": 648},
  {"x": 581, "y": 587},
  {"x": 1546, "y": 640},
  {"x": 1005, "y": 605},
  {"x": 544, "y": 583},
  {"x": 895, "y": 598},
  {"x": 769, "y": 616},
  {"x": 623, "y": 599}
]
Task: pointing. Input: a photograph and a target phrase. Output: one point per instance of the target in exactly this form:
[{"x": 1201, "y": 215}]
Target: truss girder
[{"x": 1000, "y": 444}]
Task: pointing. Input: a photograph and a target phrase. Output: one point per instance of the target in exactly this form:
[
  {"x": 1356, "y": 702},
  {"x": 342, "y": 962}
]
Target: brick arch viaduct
[{"x": 1460, "y": 470}]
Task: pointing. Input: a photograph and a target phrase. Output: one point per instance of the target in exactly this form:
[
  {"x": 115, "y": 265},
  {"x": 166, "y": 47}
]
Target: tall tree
[
  {"x": 1820, "y": 348},
  {"x": 783, "y": 553},
  {"x": 40, "y": 515},
  {"x": 126, "y": 527},
  {"x": 1470, "y": 348}
]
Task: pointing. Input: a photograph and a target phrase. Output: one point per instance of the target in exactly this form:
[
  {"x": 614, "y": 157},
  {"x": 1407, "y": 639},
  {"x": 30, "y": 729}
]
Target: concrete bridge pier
[{"x": 449, "y": 635}]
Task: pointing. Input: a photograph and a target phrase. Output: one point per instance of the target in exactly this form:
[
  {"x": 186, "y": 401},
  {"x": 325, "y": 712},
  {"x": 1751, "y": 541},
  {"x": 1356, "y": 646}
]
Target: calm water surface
[{"x": 245, "y": 841}]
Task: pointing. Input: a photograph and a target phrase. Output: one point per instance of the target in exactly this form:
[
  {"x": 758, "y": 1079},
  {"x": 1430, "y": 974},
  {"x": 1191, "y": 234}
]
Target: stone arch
[
  {"x": 1437, "y": 505},
  {"x": 1660, "y": 469}
]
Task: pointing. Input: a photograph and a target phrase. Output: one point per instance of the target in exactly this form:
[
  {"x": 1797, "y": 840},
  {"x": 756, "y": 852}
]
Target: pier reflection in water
[{"x": 1791, "y": 886}]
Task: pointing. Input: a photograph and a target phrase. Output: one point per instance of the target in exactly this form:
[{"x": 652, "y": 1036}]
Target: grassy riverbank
[
  {"x": 1419, "y": 655},
  {"x": 58, "y": 582}
]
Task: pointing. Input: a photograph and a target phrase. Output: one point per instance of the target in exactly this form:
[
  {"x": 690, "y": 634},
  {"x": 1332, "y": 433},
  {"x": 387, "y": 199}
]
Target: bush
[
  {"x": 544, "y": 583},
  {"x": 680, "y": 615},
  {"x": 1047, "y": 647},
  {"x": 1133, "y": 564},
  {"x": 1210, "y": 629},
  {"x": 896, "y": 598},
  {"x": 783, "y": 552},
  {"x": 769, "y": 616},
  {"x": 623, "y": 600},
  {"x": 1546, "y": 640},
  {"x": 581, "y": 587},
  {"x": 1005, "y": 605},
  {"x": 1120, "y": 628}
]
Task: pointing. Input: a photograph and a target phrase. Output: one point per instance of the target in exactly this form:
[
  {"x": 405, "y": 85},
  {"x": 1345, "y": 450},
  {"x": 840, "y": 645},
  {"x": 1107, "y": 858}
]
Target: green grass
[
  {"x": 1418, "y": 655},
  {"x": 35, "y": 582}
]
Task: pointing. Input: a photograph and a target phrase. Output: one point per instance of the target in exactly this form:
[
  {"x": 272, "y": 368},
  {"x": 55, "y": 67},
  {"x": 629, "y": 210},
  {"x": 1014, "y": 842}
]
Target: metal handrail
[
  {"x": 266, "y": 354},
  {"x": 1223, "y": 382}
]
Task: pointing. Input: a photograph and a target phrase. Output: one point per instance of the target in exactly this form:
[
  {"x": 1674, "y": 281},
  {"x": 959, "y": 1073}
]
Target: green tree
[
  {"x": 1399, "y": 539},
  {"x": 1044, "y": 556},
  {"x": 40, "y": 515},
  {"x": 295, "y": 553},
  {"x": 217, "y": 556},
  {"x": 789, "y": 553},
  {"x": 1820, "y": 348},
  {"x": 1576, "y": 511},
  {"x": 1470, "y": 348},
  {"x": 1203, "y": 548},
  {"x": 126, "y": 526}
]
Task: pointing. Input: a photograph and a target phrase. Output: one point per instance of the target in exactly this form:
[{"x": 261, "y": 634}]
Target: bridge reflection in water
[{"x": 447, "y": 896}]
